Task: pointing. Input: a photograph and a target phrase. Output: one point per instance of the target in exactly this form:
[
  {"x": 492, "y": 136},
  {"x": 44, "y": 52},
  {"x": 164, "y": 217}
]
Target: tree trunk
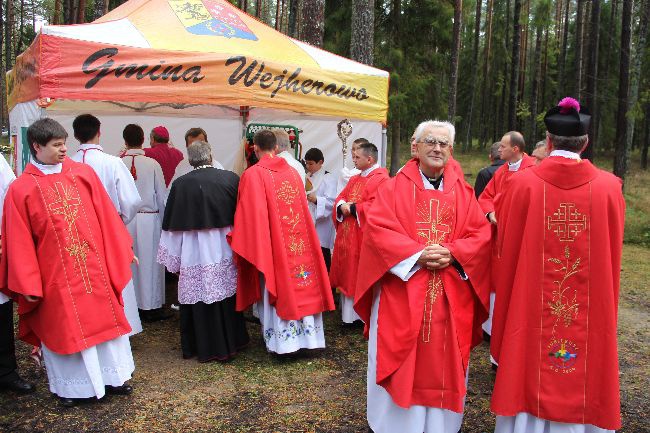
[
  {"x": 544, "y": 72},
  {"x": 534, "y": 89},
  {"x": 312, "y": 22},
  {"x": 81, "y": 12},
  {"x": 562, "y": 60},
  {"x": 455, "y": 51},
  {"x": 592, "y": 79},
  {"x": 9, "y": 27},
  {"x": 523, "y": 54},
  {"x": 501, "y": 119},
  {"x": 637, "y": 55},
  {"x": 486, "y": 82},
  {"x": 578, "y": 50},
  {"x": 21, "y": 27},
  {"x": 477, "y": 31},
  {"x": 622, "y": 152},
  {"x": 293, "y": 18},
  {"x": 395, "y": 127},
  {"x": 646, "y": 141},
  {"x": 514, "y": 70},
  {"x": 362, "y": 39}
]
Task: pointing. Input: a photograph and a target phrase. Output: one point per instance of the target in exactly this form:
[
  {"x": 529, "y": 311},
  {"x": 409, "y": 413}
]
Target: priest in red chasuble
[
  {"x": 66, "y": 258},
  {"x": 554, "y": 327},
  {"x": 423, "y": 290},
  {"x": 350, "y": 209},
  {"x": 511, "y": 150},
  {"x": 281, "y": 270}
]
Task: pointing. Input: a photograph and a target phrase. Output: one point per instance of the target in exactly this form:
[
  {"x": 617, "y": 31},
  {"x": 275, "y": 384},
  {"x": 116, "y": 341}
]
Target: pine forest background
[{"x": 489, "y": 66}]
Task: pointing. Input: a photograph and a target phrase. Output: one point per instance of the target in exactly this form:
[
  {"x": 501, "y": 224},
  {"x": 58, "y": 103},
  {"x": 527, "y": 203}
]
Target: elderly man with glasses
[{"x": 423, "y": 289}]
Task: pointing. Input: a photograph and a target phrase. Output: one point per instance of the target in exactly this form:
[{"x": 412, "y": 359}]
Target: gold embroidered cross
[
  {"x": 567, "y": 222},
  {"x": 433, "y": 229},
  {"x": 65, "y": 203}
]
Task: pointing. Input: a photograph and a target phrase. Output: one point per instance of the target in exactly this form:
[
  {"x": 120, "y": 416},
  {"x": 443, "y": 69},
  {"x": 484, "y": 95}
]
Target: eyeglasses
[{"x": 432, "y": 142}]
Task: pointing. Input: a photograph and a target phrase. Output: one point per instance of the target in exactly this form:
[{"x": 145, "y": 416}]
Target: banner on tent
[{"x": 91, "y": 71}]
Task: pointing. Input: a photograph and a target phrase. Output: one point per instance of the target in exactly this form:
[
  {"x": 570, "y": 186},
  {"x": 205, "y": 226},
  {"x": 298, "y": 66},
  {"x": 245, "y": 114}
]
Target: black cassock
[{"x": 206, "y": 199}]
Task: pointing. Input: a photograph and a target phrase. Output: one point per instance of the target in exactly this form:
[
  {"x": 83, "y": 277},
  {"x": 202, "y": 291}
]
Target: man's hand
[
  {"x": 135, "y": 260},
  {"x": 345, "y": 209},
  {"x": 492, "y": 218},
  {"x": 31, "y": 298},
  {"x": 435, "y": 257},
  {"x": 312, "y": 198}
]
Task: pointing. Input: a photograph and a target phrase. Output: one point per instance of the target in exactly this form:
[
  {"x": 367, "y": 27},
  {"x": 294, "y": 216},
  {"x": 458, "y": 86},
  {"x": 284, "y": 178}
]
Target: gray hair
[
  {"x": 282, "y": 139},
  {"x": 494, "y": 150},
  {"x": 435, "y": 124},
  {"x": 540, "y": 144},
  {"x": 572, "y": 144},
  {"x": 199, "y": 153}
]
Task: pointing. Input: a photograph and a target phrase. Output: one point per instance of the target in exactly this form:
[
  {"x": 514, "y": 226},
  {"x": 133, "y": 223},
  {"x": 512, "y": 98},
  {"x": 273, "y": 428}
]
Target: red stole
[
  {"x": 554, "y": 325},
  {"x": 426, "y": 326},
  {"x": 347, "y": 245},
  {"x": 64, "y": 243},
  {"x": 274, "y": 234}
]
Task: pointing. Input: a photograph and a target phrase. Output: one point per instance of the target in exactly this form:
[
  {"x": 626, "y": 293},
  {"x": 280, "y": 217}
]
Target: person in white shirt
[
  {"x": 283, "y": 151},
  {"x": 321, "y": 192},
  {"x": 145, "y": 228},
  {"x": 120, "y": 187},
  {"x": 184, "y": 167}
]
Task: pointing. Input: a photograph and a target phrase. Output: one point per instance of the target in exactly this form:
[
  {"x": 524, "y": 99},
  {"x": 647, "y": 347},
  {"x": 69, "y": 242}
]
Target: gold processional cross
[
  {"x": 433, "y": 227},
  {"x": 66, "y": 204}
]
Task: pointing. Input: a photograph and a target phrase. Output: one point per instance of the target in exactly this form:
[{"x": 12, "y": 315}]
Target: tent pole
[{"x": 384, "y": 145}]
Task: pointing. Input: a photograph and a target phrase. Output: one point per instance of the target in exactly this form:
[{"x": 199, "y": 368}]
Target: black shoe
[
  {"x": 67, "y": 402},
  {"x": 18, "y": 385},
  {"x": 119, "y": 390},
  {"x": 155, "y": 315}
]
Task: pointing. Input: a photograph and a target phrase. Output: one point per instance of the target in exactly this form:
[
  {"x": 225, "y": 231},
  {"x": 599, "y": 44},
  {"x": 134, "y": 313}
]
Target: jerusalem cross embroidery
[
  {"x": 567, "y": 222},
  {"x": 211, "y": 18},
  {"x": 433, "y": 224},
  {"x": 64, "y": 202}
]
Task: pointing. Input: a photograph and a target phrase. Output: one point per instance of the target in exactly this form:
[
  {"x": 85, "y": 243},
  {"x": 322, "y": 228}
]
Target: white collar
[
  {"x": 47, "y": 168},
  {"x": 566, "y": 154},
  {"x": 133, "y": 152},
  {"x": 427, "y": 184},
  {"x": 88, "y": 146},
  {"x": 367, "y": 171},
  {"x": 319, "y": 172},
  {"x": 514, "y": 166},
  {"x": 285, "y": 154}
]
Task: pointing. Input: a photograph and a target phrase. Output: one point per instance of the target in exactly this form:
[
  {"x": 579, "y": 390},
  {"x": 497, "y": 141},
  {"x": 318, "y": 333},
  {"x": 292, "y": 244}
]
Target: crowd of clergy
[{"x": 528, "y": 260}]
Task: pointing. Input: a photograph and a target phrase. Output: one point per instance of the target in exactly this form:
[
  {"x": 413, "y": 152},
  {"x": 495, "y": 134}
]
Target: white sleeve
[
  {"x": 407, "y": 267},
  {"x": 127, "y": 193},
  {"x": 161, "y": 190},
  {"x": 339, "y": 218},
  {"x": 325, "y": 197}
]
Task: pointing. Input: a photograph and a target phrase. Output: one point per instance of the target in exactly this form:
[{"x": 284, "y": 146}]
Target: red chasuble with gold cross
[
  {"x": 426, "y": 326},
  {"x": 274, "y": 234},
  {"x": 63, "y": 241},
  {"x": 554, "y": 325},
  {"x": 345, "y": 260}
]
